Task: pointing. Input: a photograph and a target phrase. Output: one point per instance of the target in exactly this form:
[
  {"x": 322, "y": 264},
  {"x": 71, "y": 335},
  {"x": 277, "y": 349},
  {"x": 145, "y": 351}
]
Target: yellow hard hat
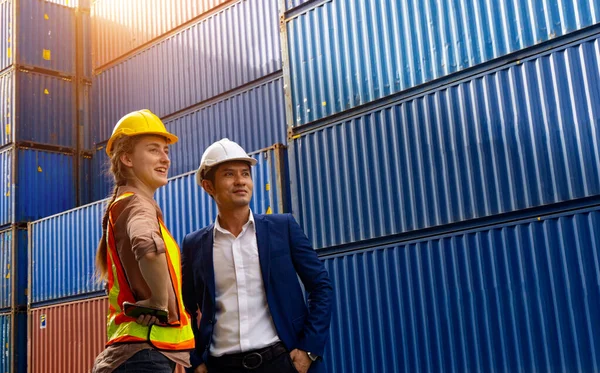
[{"x": 141, "y": 122}]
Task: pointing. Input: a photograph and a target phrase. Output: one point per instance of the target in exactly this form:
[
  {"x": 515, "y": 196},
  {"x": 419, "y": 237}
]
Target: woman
[{"x": 137, "y": 255}]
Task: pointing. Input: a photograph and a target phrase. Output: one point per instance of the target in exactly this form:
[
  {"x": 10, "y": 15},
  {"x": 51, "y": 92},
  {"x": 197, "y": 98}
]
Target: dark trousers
[
  {"x": 281, "y": 363},
  {"x": 147, "y": 361}
]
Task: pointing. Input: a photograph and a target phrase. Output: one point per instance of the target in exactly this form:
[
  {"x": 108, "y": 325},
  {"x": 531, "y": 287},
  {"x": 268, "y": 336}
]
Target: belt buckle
[{"x": 252, "y": 355}]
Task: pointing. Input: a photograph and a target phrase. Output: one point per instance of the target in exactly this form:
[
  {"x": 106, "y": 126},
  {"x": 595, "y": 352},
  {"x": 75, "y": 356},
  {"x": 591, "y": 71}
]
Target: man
[{"x": 242, "y": 274}]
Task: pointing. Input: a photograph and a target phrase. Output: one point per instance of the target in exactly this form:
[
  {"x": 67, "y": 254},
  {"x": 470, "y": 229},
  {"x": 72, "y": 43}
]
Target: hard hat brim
[{"x": 171, "y": 139}]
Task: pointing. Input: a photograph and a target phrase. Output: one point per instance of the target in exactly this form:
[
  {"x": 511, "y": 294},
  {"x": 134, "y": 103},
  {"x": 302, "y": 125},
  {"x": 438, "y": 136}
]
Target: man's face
[{"x": 232, "y": 186}]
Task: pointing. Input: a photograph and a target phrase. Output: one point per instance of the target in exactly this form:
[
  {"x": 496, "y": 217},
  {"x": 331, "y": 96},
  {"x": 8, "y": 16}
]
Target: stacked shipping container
[
  {"x": 254, "y": 117},
  {"x": 345, "y": 53},
  {"x": 210, "y": 69},
  {"x": 41, "y": 70},
  {"x": 456, "y": 145},
  {"x": 460, "y": 137},
  {"x": 517, "y": 296},
  {"x": 228, "y": 85}
]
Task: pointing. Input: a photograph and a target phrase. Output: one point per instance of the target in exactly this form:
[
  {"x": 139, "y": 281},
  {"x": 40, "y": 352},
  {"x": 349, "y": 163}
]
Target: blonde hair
[{"x": 123, "y": 145}]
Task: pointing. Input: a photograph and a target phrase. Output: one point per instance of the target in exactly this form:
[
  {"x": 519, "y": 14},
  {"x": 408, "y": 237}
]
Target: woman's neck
[{"x": 143, "y": 188}]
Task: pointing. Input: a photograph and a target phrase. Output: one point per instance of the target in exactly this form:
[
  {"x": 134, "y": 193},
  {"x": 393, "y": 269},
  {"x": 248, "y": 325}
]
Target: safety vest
[{"x": 177, "y": 335}]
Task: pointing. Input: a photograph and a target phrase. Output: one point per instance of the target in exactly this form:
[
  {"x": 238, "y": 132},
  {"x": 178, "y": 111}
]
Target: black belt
[{"x": 251, "y": 359}]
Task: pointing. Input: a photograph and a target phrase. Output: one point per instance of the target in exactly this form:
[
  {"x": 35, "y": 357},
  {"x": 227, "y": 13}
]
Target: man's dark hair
[{"x": 210, "y": 174}]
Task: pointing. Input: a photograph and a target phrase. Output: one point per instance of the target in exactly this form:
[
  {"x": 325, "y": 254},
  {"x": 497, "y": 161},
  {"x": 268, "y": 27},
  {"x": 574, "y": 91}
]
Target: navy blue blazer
[{"x": 285, "y": 254}]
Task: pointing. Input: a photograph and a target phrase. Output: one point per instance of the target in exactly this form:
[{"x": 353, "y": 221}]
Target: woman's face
[{"x": 149, "y": 162}]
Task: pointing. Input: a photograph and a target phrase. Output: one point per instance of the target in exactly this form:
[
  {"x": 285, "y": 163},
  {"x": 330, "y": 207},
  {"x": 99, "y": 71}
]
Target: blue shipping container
[
  {"x": 345, "y": 53},
  {"x": 518, "y": 297},
  {"x": 247, "y": 48},
  {"x": 45, "y": 35},
  {"x": 13, "y": 261},
  {"x": 35, "y": 184},
  {"x": 71, "y": 238},
  {"x": 254, "y": 118},
  {"x": 13, "y": 340},
  {"x": 5, "y": 342},
  {"x": 123, "y": 26},
  {"x": 522, "y": 136},
  {"x": 6, "y": 33},
  {"x": 37, "y": 108}
]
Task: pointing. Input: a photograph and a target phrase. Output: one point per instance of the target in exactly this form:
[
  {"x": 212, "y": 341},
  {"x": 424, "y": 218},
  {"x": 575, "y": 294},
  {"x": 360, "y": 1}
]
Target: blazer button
[{"x": 211, "y": 321}]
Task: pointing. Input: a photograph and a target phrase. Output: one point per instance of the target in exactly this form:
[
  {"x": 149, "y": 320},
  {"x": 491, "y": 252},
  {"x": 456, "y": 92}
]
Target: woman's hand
[{"x": 148, "y": 320}]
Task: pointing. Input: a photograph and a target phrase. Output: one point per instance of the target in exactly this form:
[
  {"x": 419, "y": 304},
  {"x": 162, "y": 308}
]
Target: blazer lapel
[
  {"x": 264, "y": 249},
  {"x": 207, "y": 260}
]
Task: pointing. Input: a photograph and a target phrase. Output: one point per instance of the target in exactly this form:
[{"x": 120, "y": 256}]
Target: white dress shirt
[{"x": 243, "y": 321}]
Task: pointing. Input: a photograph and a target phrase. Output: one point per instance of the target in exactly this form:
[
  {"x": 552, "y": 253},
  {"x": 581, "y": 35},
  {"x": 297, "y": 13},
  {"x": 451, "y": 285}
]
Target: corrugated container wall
[
  {"x": 518, "y": 137},
  {"x": 516, "y": 297},
  {"x": 254, "y": 118},
  {"x": 43, "y": 184},
  {"x": 7, "y": 191},
  {"x": 55, "y": 336},
  {"x": 37, "y": 108},
  {"x": 247, "y": 49},
  {"x": 122, "y": 26},
  {"x": 102, "y": 180},
  {"x": 13, "y": 261},
  {"x": 345, "y": 53},
  {"x": 6, "y": 33},
  {"x": 60, "y": 333},
  {"x": 45, "y": 37},
  {"x": 7, "y": 266},
  {"x": 71, "y": 238},
  {"x": 13, "y": 342},
  {"x": 5, "y": 342}
]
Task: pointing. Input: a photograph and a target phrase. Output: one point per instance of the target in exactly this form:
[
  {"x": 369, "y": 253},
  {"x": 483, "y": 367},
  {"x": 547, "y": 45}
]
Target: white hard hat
[{"x": 219, "y": 152}]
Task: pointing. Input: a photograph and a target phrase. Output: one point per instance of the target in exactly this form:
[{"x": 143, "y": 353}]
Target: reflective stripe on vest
[{"x": 177, "y": 335}]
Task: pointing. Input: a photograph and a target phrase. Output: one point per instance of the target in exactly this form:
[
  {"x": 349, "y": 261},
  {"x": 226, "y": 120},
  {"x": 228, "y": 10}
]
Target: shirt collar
[{"x": 220, "y": 229}]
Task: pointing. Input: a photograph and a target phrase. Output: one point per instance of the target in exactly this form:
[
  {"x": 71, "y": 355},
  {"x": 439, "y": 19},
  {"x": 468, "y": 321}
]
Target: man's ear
[
  {"x": 126, "y": 160},
  {"x": 208, "y": 187}
]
